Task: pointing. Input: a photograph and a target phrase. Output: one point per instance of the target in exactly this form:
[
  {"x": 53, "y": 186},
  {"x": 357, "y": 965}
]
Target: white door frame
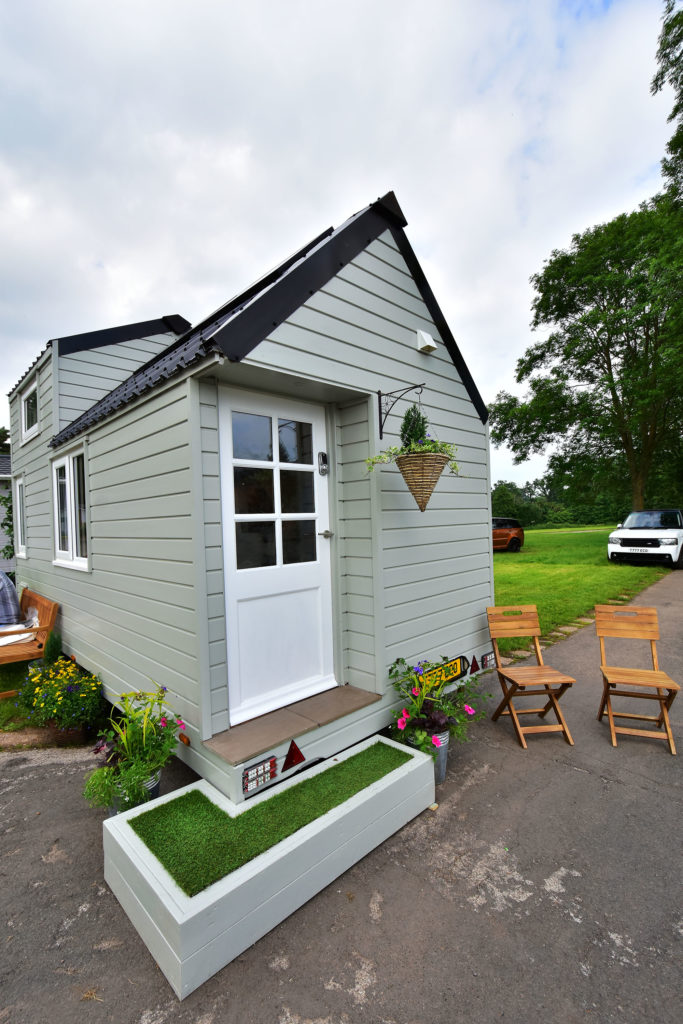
[{"x": 279, "y": 621}]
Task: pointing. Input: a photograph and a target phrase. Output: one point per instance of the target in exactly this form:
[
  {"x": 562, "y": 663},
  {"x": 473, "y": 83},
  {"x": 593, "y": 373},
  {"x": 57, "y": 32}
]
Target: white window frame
[
  {"x": 67, "y": 537},
  {"x": 28, "y": 432},
  {"x": 19, "y": 501}
]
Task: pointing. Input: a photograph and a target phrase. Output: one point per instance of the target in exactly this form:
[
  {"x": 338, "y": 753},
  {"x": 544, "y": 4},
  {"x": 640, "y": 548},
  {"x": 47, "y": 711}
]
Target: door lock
[{"x": 326, "y": 534}]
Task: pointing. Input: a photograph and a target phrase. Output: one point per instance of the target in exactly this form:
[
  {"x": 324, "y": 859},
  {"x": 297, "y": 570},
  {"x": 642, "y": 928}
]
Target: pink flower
[
  {"x": 436, "y": 741},
  {"x": 469, "y": 710},
  {"x": 416, "y": 691},
  {"x": 405, "y": 714},
  {"x": 162, "y": 722},
  {"x": 401, "y": 723},
  {"x": 181, "y": 724}
]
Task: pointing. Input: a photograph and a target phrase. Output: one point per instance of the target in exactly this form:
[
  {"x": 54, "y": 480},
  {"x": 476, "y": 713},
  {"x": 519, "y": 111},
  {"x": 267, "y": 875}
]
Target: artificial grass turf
[{"x": 198, "y": 843}]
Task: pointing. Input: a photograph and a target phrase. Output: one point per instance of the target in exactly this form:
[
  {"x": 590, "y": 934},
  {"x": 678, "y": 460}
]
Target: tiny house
[{"x": 196, "y": 498}]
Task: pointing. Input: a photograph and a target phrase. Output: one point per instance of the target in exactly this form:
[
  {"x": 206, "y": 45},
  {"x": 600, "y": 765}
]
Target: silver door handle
[{"x": 326, "y": 534}]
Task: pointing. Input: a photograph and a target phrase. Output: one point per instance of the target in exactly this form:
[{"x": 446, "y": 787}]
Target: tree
[
  {"x": 607, "y": 382},
  {"x": 670, "y": 72}
]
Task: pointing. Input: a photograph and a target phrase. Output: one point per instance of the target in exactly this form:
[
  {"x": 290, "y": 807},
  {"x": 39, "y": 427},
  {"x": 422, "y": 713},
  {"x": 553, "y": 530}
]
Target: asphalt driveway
[{"x": 545, "y": 888}]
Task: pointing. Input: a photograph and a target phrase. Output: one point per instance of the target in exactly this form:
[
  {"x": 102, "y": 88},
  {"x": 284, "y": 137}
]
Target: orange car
[{"x": 508, "y": 535}]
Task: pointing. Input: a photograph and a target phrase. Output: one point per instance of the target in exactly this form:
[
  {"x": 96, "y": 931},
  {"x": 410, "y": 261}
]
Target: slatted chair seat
[
  {"x": 521, "y": 621},
  {"x": 634, "y": 623}
]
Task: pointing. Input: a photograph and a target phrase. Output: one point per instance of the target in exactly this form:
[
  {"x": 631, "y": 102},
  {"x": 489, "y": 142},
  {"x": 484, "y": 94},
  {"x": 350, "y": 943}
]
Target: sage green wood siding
[
  {"x": 428, "y": 576},
  {"x": 213, "y": 555},
  {"x": 85, "y": 377},
  {"x": 29, "y": 460},
  {"x": 133, "y": 617},
  {"x": 354, "y": 551}
]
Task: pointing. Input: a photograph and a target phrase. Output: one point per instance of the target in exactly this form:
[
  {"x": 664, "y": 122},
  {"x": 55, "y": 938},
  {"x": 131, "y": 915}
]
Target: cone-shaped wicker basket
[{"x": 421, "y": 473}]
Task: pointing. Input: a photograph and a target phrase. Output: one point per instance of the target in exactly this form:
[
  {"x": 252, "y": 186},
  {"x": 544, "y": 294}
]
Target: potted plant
[
  {"x": 430, "y": 713},
  {"x": 421, "y": 458},
  {"x": 140, "y": 740},
  {"x": 64, "y": 697}
]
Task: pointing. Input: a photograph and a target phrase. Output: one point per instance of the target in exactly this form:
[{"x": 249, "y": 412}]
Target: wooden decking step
[{"x": 241, "y": 742}]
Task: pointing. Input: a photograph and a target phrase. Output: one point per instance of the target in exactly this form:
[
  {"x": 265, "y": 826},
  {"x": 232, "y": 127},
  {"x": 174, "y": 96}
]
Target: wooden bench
[{"x": 30, "y": 649}]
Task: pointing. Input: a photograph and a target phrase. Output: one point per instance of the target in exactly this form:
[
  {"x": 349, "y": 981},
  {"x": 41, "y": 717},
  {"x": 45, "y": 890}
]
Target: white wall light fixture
[{"x": 425, "y": 342}]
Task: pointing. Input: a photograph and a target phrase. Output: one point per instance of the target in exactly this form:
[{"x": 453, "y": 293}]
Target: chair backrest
[
  {"x": 514, "y": 620},
  {"x": 630, "y": 623}
]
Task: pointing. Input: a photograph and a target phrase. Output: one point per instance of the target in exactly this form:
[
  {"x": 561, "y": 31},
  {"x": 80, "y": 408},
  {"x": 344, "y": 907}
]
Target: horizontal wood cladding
[
  {"x": 359, "y": 331},
  {"x": 213, "y": 545},
  {"x": 353, "y": 522},
  {"x": 87, "y": 376},
  {"x": 133, "y": 616}
]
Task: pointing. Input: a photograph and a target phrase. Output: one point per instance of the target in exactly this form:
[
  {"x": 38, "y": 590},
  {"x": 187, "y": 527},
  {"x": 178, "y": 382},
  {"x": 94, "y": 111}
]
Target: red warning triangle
[
  {"x": 474, "y": 667},
  {"x": 294, "y": 756}
]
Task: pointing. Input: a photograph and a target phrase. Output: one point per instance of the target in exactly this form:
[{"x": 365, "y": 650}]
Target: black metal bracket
[{"x": 387, "y": 401}]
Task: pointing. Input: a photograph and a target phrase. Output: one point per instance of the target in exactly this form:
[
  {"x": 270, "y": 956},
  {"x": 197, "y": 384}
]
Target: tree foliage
[
  {"x": 606, "y": 383},
  {"x": 670, "y": 72}
]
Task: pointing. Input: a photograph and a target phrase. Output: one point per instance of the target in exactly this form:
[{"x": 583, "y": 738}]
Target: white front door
[{"x": 277, "y": 561}]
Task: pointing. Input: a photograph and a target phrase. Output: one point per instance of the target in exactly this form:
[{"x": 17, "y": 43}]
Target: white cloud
[{"x": 157, "y": 157}]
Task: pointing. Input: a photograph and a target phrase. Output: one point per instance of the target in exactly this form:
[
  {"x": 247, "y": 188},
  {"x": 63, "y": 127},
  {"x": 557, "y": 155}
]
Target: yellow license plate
[{"x": 448, "y": 672}]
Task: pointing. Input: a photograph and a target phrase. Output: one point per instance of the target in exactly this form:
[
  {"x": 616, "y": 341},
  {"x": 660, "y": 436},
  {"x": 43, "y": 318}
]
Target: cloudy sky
[{"x": 156, "y": 156}]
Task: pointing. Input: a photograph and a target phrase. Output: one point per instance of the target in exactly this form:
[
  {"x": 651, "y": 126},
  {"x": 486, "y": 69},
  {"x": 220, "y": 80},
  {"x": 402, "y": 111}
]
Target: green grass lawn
[
  {"x": 12, "y": 678},
  {"x": 565, "y": 574}
]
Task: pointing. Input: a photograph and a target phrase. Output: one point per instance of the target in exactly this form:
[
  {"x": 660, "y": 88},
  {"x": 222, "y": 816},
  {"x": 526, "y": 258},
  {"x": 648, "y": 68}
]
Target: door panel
[{"x": 277, "y": 566}]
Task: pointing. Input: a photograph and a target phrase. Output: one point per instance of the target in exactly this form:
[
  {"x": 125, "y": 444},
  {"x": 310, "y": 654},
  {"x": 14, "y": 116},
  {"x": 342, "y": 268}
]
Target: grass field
[{"x": 565, "y": 574}]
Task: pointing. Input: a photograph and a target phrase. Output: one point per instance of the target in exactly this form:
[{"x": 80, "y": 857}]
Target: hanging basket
[{"x": 421, "y": 473}]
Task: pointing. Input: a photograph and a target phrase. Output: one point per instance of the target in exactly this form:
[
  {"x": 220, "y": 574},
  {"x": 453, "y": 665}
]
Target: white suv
[{"x": 649, "y": 536}]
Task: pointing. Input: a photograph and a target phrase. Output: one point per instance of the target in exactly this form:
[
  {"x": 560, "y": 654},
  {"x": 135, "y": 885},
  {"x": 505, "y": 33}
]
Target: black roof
[
  {"x": 114, "y": 335},
  {"x": 237, "y": 327},
  {"x": 111, "y": 336},
  {"x": 5, "y": 464}
]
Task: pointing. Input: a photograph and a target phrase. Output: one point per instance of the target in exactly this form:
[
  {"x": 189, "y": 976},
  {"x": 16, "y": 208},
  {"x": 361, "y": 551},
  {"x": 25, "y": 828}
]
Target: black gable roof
[{"x": 236, "y": 328}]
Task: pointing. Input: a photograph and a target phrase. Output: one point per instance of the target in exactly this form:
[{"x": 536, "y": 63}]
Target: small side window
[
  {"x": 70, "y": 511},
  {"x": 19, "y": 518},
  {"x": 29, "y": 412}
]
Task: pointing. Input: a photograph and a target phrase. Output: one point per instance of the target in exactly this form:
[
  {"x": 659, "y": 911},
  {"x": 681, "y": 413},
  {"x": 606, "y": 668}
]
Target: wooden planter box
[{"x": 193, "y": 937}]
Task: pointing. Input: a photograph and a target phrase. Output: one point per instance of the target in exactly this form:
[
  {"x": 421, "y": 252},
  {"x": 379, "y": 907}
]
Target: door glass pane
[
  {"x": 295, "y": 441},
  {"x": 62, "y": 510},
  {"x": 252, "y": 437},
  {"x": 255, "y": 544},
  {"x": 298, "y": 541},
  {"x": 253, "y": 490},
  {"x": 296, "y": 491},
  {"x": 80, "y": 506}
]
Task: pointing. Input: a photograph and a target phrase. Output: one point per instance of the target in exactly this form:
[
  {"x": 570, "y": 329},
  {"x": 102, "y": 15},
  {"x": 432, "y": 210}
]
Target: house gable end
[{"x": 239, "y": 326}]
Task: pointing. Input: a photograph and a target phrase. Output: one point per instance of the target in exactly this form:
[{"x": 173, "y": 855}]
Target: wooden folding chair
[
  {"x": 521, "y": 621},
  {"x": 634, "y": 623}
]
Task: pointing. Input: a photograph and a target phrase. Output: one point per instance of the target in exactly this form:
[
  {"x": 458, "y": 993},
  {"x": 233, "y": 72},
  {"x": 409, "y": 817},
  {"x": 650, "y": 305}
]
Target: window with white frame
[
  {"x": 19, "y": 518},
  {"x": 70, "y": 510},
  {"x": 29, "y": 411}
]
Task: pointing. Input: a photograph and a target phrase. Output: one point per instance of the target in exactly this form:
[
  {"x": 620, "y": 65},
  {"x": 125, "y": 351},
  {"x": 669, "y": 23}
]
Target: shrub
[{"x": 63, "y": 693}]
